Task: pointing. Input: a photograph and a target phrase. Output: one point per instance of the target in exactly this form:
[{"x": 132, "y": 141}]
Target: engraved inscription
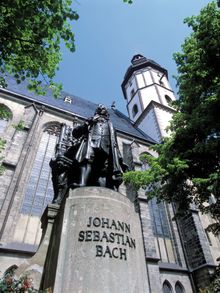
[{"x": 112, "y": 232}]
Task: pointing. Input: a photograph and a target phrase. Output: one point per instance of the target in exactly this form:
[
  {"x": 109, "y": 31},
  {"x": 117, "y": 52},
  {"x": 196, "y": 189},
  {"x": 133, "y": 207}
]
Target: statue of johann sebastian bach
[{"x": 94, "y": 157}]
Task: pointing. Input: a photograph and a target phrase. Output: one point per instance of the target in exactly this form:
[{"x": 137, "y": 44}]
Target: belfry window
[
  {"x": 134, "y": 110},
  {"x": 168, "y": 99},
  {"x": 132, "y": 93},
  {"x": 39, "y": 191}
]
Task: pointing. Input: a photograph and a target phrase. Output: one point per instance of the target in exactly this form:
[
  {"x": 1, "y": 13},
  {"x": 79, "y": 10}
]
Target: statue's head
[{"x": 102, "y": 110}]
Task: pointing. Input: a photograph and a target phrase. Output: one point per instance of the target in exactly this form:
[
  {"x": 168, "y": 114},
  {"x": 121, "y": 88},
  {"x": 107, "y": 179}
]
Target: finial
[{"x": 113, "y": 105}]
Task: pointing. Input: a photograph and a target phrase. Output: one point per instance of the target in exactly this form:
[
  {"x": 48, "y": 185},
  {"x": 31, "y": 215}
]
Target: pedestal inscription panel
[{"x": 101, "y": 247}]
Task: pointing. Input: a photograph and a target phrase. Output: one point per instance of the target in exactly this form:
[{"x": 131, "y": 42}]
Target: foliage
[
  {"x": 188, "y": 165},
  {"x": 214, "y": 286},
  {"x": 5, "y": 114},
  {"x": 20, "y": 126},
  {"x": 31, "y": 34}
]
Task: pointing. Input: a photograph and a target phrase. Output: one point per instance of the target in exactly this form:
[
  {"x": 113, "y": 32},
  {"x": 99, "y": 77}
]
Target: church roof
[{"x": 79, "y": 107}]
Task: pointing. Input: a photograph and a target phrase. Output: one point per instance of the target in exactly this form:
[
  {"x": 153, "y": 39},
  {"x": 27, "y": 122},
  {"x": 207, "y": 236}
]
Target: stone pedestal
[
  {"x": 101, "y": 247},
  {"x": 34, "y": 266}
]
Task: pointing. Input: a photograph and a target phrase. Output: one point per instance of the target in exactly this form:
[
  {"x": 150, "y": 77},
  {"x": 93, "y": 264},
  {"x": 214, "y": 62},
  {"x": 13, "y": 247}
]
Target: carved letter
[
  {"x": 107, "y": 251},
  {"x": 113, "y": 225},
  {"x": 105, "y": 222},
  {"x": 112, "y": 237},
  {"x": 90, "y": 222},
  {"x": 81, "y": 236},
  {"x": 104, "y": 236},
  {"x": 127, "y": 228},
  {"x": 99, "y": 250},
  {"x": 123, "y": 253},
  {"x": 113, "y": 252},
  {"x": 121, "y": 226},
  {"x": 97, "y": 222},
  {"x": 96, "y": 236},
  {"x": 133, "y": 243},
  {"x": 88, "y": 235}
]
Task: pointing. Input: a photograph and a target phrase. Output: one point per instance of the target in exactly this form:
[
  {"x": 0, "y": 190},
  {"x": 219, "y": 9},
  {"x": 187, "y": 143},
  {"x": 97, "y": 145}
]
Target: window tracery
[{"x": 39, "y": 191}]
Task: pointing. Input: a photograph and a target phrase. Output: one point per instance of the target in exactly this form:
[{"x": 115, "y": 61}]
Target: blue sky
[{"x": 109, "y": 32}]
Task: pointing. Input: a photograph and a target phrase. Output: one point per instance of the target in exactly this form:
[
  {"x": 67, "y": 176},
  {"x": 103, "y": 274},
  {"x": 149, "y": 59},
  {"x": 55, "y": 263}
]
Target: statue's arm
[{"x": 80, "y": 130}]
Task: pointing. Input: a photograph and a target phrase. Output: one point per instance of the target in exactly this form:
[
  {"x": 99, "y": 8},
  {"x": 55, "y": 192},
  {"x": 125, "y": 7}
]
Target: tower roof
[
  {"x": 140, "y": 59},
  {"x": 138, "y": 62}
]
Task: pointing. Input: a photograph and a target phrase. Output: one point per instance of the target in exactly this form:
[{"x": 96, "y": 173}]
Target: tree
[
  {"x": 31, "y": 33},
  {"x": 188, "y": 165}
]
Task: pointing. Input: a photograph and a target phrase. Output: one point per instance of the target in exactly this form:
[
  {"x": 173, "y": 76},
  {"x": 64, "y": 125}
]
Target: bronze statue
[{"x": 93, "y": 159}]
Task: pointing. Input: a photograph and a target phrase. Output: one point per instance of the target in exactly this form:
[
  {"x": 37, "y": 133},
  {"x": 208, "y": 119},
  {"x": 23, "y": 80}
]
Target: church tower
[{"x": 148, "y": 94}]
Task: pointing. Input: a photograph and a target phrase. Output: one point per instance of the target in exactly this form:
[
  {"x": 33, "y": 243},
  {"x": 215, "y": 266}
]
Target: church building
[{"x": 180, "y": 254}]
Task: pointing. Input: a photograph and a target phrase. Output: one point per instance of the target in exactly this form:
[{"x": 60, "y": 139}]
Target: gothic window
[
  {"x": 127, "y": 155},
  {"x": 39, "y": 191},
  {"x": 132, "y": 93},
  {"x": 5, "y": 116},
  {"x": 134, "y": 110},
  {"x": 179, "y": 288},
  {"x": 162, "y": 229},
  {"x": 167, "y": 287}
]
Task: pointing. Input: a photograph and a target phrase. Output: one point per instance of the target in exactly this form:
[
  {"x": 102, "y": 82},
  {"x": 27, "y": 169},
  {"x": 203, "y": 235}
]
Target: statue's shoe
[{"x": 77, "y": 185}]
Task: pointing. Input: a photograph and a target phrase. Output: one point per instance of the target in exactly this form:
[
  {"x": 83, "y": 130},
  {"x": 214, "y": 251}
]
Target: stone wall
[{"x": 173, "y": 277}]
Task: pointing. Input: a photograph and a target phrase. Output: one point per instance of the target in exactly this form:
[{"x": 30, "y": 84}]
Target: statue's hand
[
  {"x": 117, "y": 178},
  {"x": 90, "y": 121}
]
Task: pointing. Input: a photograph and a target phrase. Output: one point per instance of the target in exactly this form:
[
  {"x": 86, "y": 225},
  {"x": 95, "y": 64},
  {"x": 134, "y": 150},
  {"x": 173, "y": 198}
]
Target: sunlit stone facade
[{"x": 179, "y": 255}]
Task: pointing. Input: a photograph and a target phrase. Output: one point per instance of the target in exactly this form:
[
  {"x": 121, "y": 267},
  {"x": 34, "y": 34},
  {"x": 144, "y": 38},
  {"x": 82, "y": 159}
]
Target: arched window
[
  {"x": 134, "y": 110},
  {"x": 167, "y": 287},
  {"x": 5, "y": 116},
  {"x": 39, "y": 191},
  {"x": 179, "y": 288},
  {"x": 168, "y": 99}
]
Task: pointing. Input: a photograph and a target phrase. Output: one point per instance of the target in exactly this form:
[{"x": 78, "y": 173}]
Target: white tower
[{"x": 148, "y": 93}]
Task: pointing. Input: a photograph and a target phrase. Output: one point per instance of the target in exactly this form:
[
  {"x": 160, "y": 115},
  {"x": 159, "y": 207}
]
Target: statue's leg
[
  {"x": 99, "y": 169},
  {"x": 61, "y": 186},
  {"x": 85, "y": 171}
]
